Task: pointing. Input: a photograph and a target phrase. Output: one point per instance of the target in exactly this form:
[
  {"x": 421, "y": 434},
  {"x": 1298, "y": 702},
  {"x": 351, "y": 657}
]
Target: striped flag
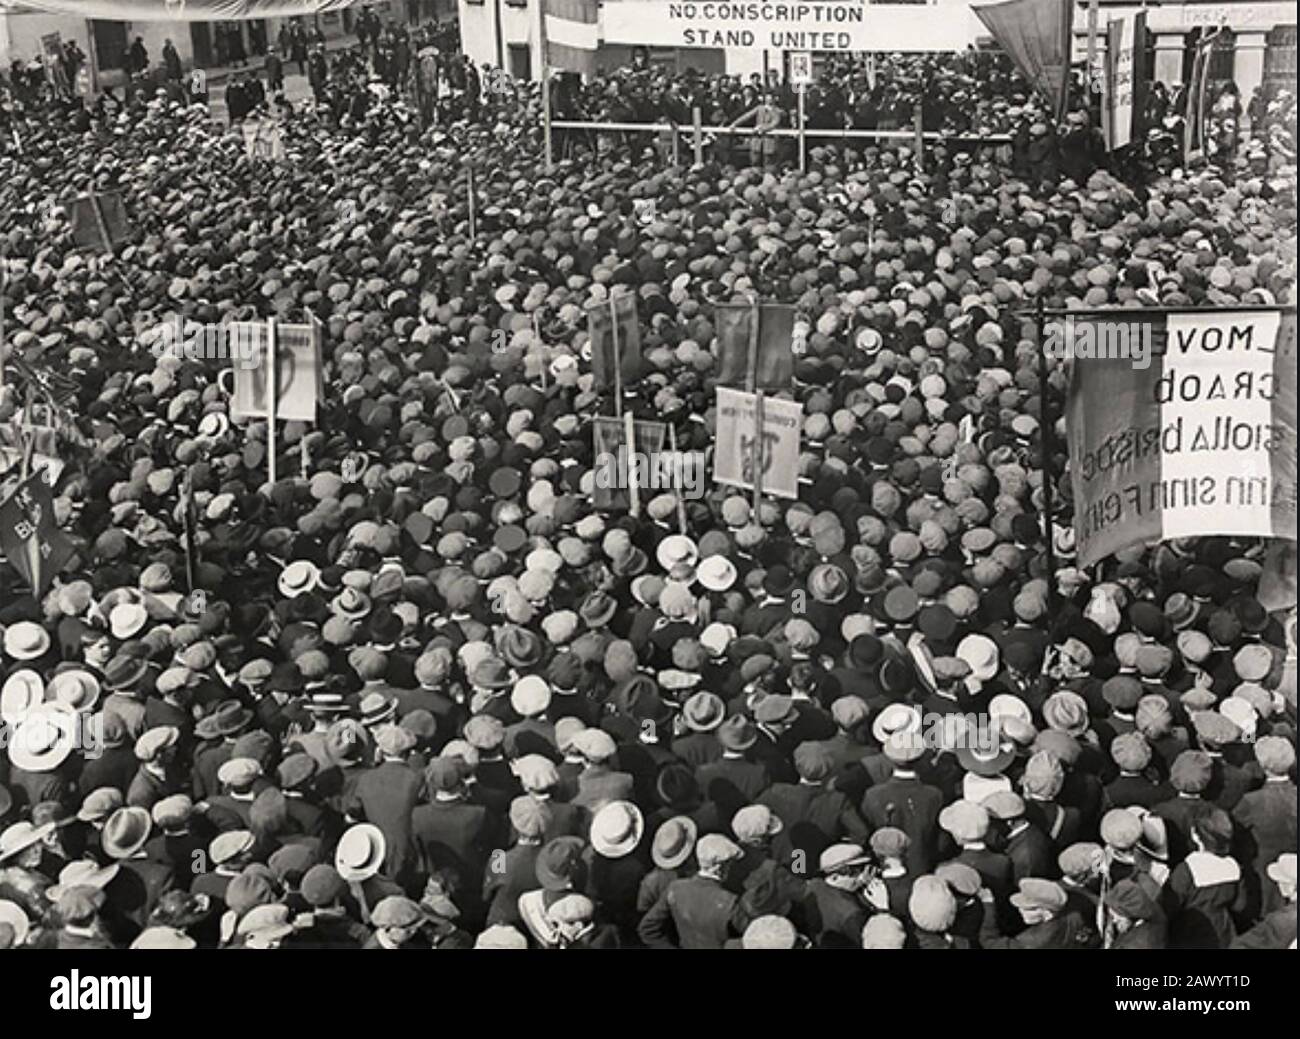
[
  {"x": 570, "y": 35},
  {"x": 773, "y": 360},
  {"x": 1180, "y": 425}
]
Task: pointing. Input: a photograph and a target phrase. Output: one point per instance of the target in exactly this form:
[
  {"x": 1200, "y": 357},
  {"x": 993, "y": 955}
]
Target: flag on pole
[
  {"x": 1180, "y": 425},
  {"x": 615, "y": 341},
  {"x": 570, "y": 35},
  {"x": 31, "y": 540},
  {"x": 1037, "y": 35},
  {"x": 774, "y": 361},
  {"x": 616, "y": 467},
  {"x": 1126, "y": 78}
]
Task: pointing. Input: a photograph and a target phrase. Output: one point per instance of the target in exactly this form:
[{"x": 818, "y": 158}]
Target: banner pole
[
  {"x": 697, "y": 135},
  {"x": 618, "y": 360},
  {"x": 751, "y": 386},
  {"x": 633, "y": 491},
  {"x": 543, "y": 57},
  {"x": 189, "y": 529},
  {"x": 272, "y": 397},
  {"x": 1091, "y": 72},
  {"x": 799, "y": 115},
  {"x": 918, "y": 125},
  {"x": 473, "y": 214},
  {"x": 103, "y": 226},
  {"x": 1045, "y": 437},
  {"x": 681, "y": 505}
]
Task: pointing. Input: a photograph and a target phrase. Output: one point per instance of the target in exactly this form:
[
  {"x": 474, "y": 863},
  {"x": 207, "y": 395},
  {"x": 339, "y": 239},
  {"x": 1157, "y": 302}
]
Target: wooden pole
[
  {"x": 1093, "y": 85},
  {"x": 473, "y": 208},
  {"x": 697, "y": 135},
  {"x": 751, "y": 385},
  {"x": 272, "y": 398},
  {"x": 618, "y": 357},
  {"x": 681, "y": 505},
  {"x": 1045, "y": 437},
  {"x": 546, "y": 86},
  {"x": 799, "y": 116},
  {"x": 629, "y": 436},
  {"x": 918, "y": 133}
]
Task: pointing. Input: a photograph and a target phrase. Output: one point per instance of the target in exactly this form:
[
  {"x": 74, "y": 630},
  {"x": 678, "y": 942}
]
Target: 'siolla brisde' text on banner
[{"x": 1201, "y": 441}]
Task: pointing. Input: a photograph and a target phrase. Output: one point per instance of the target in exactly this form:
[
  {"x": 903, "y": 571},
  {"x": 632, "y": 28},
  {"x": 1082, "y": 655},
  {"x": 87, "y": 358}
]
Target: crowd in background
[{"x": 421, "y": 692}]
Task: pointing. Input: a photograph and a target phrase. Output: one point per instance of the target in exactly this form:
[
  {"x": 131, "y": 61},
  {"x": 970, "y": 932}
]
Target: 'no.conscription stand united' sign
[{"x": 1200, "y": 441}]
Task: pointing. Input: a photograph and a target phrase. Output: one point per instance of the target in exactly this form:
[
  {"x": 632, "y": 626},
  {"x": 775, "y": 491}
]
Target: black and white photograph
[{"x": 643, "y": 475}]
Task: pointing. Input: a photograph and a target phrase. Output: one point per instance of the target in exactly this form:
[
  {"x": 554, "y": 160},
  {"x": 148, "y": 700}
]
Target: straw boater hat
[
  {"x": 299, "y": 577},
  {"x": 23, "y": 690},
  {"x": 360, "y": 852},
  {"x": 43, "y": 739},
  {"x": 76, "y": 688},
  {"x": 26, "y": 641}
]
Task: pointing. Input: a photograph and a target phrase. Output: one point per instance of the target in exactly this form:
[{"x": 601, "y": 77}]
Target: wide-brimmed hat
[
  {"x": 26, "y": 641},
  {"x": 677, "y": 552},
  {"x": 76, "y": 688},
  {"x": 716, "y": 573},
  {"x": 360, "y": 852},
  {"x": 23, "y": 690},
  {"x": 983, "y": 762},
  {"x": 674, "y": 842},
  {"x": 22, "y": 835},
  {"x": 12, "y": 915},
  {"x": 43, "y": 738},
  {"x": 616, "y": 829},
  {"x": 299, "y": 577},
  {"x": 82, "y": 873}
]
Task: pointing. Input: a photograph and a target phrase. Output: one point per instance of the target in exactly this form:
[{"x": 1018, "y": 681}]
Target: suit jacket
[
  {"x": 132, "y": 895},
  {"x": 1266, "y": 827},
  {"x": 835, "y": 918},
  {"x": 1031, "y": 854},
  {"x": 115, "y": 768},
  {"x": 697, "y": 748},
  {"x": 453, "y": 836},
  {"x": 813, "y": 818},
  {"x": 386, "y": 796},
  {"x": 694, "y": 913},
  {"x": 913, "y": 807},
  {"x": 732, "y": 783},
  {"x": 1275, "y": 931},
  {"x": 509, "y": 875},
  {"x": 1064, "y": 931}
]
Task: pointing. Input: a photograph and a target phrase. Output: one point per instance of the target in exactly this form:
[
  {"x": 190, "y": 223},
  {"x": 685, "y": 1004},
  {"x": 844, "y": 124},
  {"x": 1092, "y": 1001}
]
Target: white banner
[
  {"x": 778, "y": 455},
  {"x": 826, "y": 25}
]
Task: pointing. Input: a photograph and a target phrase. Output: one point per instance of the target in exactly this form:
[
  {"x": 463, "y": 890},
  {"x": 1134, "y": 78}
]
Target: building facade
[{"x": 1259, "y": 41}]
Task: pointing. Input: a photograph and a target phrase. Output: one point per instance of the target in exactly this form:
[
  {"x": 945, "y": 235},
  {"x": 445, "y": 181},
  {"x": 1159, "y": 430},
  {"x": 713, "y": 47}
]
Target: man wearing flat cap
[
  {"x": 813, "y": 815},
  {"x": 1049, "y": 924},
  {"x": 452, "y": 837},
  {"x": 1265, "y": 820},
  {"x": 696, "y": 912}
]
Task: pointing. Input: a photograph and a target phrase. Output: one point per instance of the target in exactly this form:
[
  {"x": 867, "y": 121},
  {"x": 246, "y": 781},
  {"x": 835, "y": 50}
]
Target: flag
[
  {"x": 31, "y": 541},
  {"x": 570, "y": 35},
  {"x": 774, "y": 356},
  {"x": 99, "y": 221},
  {"x": 613, "y": 469},
  {"x": 1180, "y": 425},
  {"x": 1126, "y": 78},
  {"x": 615, "y": 342},
  {"x": 1037, "y": 35}
]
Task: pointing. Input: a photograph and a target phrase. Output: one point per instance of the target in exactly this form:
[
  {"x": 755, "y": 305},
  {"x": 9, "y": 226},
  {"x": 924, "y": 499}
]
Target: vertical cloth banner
[
  {"x": 774, "y": 365},
  {"x": 570, "y": 35},
  {"x": 1037, "y": 36},
  {"x": 1126, "y": 78},
  {"x": 1199, "y": 441},
  {"x": 614, "y": 466},
  {"x": 298, "y": 371},
  {"x": 99, "y": 221},
  {"x": 734, "y": 455},
  {"x": 31, "y": 540},
  {"x": 614, "y": 349}
]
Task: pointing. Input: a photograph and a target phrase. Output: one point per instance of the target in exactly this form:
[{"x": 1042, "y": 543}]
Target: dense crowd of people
[{"x": 421, "y": 693}]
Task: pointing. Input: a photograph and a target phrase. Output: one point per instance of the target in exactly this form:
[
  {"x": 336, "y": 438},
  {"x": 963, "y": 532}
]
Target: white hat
[
  {"x": 43, "y": 738},
  {"x": 360, "y": 852},
  {"x": 22, "y": 691},
  {"x": 12, "y": 915},
  {"x": 127, "y": 619},
  {"x": 26, "y": 641},
  {"x": 530, "y": 696},
  {"x": 896, "y": 717},
  {"x": 981, "y": 653},
  {"x": 677, "y": 551},
  {"x": 76, "y": 687},
  {"x": 716, "y": 573},
  {"x": 616, "y": 829},
  {"x": 298, "y": 577}
]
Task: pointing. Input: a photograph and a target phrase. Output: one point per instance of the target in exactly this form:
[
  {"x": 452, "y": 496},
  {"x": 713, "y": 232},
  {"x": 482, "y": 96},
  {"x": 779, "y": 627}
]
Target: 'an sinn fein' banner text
[{"x": 1201, "y": 441}]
